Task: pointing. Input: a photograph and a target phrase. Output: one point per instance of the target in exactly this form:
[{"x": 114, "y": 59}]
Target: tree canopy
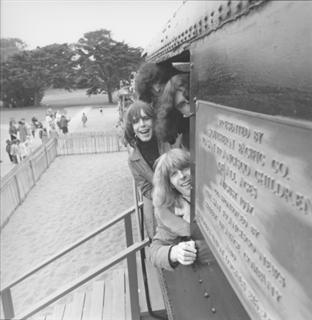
[
  {"x": 104, "y": 61},
  {"x": 10, "y": 46},
  {"x": 96, "y": 62},
  {"x": 27, "y": 74}
]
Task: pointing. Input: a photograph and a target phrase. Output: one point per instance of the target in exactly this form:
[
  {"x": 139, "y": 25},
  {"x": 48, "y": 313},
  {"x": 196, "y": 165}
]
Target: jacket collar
[{"x": 134, "y": 153}]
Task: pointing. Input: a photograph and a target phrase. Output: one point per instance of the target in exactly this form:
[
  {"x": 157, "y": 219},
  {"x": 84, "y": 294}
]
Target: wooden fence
[
  {"x": 89, "y": 142},
  {"x": 19, "y": 181}
]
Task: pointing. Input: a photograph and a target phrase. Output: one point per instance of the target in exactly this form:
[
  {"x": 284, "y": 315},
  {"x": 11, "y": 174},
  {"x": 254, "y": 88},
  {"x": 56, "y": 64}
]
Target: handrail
[
  {"x": 6, "y": 291},
  {"x": 83, "y": 279},
  {"x": 71, "y": 247}
]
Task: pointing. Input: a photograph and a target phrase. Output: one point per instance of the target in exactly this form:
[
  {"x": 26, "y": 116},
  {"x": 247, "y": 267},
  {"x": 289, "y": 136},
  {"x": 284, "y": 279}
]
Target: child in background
[
  {"x": 15, "y": 151},
  {"x": 84, "y": 119},
  {"x": 8, "y": 149}
]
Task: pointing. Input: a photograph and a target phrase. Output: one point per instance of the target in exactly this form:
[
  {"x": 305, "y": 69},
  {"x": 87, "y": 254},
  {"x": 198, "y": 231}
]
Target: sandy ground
[{"x": 74, "y": 196}]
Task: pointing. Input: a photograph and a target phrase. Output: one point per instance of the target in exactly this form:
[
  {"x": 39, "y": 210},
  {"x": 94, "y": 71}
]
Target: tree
[
  {"x": 59, "y": 61},
  {"x": 103, "y": 62},
  {"x": 10, "y": 46},
  {"x": 26, "y": 75}
]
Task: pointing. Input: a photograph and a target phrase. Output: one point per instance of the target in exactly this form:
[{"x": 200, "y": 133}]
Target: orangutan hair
[{"x": 170, "y": 121}]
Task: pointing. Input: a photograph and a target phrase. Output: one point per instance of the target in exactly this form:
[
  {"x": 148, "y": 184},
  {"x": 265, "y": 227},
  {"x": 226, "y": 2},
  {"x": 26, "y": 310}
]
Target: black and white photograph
[{"x": 156, "y": 160}]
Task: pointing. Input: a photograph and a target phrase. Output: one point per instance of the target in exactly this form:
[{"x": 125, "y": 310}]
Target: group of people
[
  {"x": 20, "y": 143},
  {"x": 157, "y": 133},
  {"x": 56, "y": 122},
  {"x": 23, "y": 133}
]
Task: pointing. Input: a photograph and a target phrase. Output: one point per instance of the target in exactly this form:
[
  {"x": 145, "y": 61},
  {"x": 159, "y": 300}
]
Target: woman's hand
[{"x": 184, "y": 253}]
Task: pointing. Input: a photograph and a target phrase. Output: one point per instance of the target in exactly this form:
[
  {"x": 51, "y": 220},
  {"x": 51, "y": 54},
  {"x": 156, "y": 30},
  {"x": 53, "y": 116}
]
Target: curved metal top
[{"x": 193, "y": 20}]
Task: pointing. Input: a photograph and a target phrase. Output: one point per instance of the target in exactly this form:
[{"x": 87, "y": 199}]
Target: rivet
[
  {"x": 213, "y": 310},
  {"x": 200, "y": 281},
  {"x": 207, "y": 295}
]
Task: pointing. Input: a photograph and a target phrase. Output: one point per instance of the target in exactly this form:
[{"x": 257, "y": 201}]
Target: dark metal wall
[{"x": 259, "y": 62}]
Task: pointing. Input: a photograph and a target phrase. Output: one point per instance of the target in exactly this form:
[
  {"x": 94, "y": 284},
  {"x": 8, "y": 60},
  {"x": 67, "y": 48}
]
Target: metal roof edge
[{"x": 193, "y": 20}]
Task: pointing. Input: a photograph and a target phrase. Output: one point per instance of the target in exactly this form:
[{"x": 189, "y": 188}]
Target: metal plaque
[{"x": 254, "y": 206}]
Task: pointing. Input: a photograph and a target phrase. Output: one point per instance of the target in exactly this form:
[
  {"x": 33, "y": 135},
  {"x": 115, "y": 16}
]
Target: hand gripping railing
[{"x": 128, "y": 253}]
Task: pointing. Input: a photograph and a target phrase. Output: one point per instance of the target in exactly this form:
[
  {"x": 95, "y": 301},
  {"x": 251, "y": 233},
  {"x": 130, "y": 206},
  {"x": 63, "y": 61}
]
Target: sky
[{"x": 44, "y": 22}]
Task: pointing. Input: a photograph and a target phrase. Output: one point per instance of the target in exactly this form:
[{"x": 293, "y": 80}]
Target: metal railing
[{"x": 128, "y": 253}]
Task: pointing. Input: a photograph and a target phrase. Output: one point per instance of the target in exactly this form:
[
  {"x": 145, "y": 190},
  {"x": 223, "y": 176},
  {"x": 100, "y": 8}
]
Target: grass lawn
[
  {"x": 55, "y": 99},
  {"x": 60, "y": 99}
]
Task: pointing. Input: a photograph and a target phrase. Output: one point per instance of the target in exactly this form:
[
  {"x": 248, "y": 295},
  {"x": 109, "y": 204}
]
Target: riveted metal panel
[
  {"x": 192, "y": 21},
  {"x": 254, "y": 204},
  {"x": 260, "y": 62},
  {"x": 201, "y": 292}
]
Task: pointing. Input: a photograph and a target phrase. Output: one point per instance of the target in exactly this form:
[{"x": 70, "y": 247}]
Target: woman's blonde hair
[{"x": 164, "y": 193}]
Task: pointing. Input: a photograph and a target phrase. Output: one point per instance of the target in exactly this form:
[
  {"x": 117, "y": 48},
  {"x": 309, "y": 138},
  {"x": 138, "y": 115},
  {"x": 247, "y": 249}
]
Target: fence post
[
  {"x": 18, "y": 190},
  {"x": 32, "y": 171},
  {"x": 7, "y": 304},
  {"x": 93, "y": 138},
  {"x": 132, "y": 272},
  {"x": 46, "y": 155},
  {"x": 117, "y": 141}
]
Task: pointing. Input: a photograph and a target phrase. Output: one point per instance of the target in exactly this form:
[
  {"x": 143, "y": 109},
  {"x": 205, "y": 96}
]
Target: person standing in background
[
  {"x": 43, "y": 135},
  {"x": 12, "y": 129},
  {"x": 15, "y": 151},
  {"x": 64, "y": 124},
  {"x": 22, "y": 130},
  {"x": 8, "y": 149},
  {"x": 84, "y": 119}
]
